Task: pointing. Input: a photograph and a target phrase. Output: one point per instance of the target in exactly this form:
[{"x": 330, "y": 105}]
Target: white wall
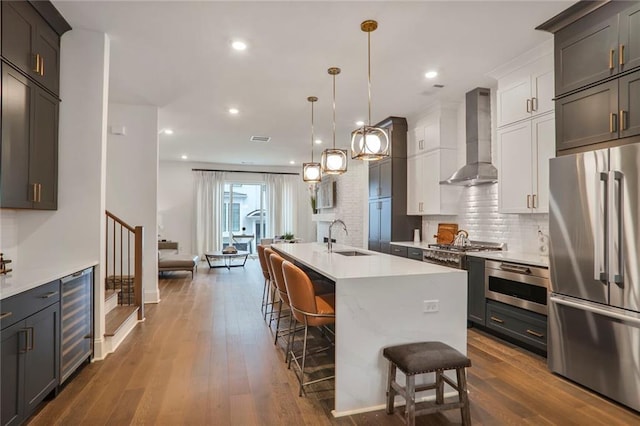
[
  {"x": 132, "y": 181},
  {"x": 176, "y": 192}
]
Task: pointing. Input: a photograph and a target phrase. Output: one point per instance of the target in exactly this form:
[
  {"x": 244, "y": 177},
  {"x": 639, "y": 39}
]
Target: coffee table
[{"x": 226, "y": 258}]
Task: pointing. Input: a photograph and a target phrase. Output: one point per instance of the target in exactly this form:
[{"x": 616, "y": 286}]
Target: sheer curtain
[
  {"x": 282, "y": 201},
  {"x": 208, "y": 205}
]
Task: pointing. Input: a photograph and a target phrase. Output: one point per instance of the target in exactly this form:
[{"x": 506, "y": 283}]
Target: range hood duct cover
[{"x": 478, "y": 169}]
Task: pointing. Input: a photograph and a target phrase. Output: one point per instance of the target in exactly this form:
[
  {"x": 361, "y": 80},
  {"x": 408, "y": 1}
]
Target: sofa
[{"x": 169, "y": 259}]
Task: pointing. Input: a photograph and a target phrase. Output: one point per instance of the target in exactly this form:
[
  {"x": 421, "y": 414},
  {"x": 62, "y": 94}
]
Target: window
[{"x": 235, "y": 217}]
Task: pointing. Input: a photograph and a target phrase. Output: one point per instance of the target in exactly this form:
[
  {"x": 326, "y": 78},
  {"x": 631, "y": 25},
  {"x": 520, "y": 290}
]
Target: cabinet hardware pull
[
  {"x": 611, "y": 53},
  {"x": 34, "y": 192},
  {"x": 37, "y": 69},
  {"x": 5, "y": 315},
  {"x": 39, "y": 192},
  {"x": 498, "y": 320},
  {"x": 533, "y": 201},
  {"x": 533, "y": 333},
  {"x": 534, "y": 104},
  {"x": 528, "y": 105},
  {"x": 32, "y": 332},
  {"x": 42, "y": 66},
  {"x": 528, "y": 201},
  {"x": 25, "y": 348},
  {"x": 48, "y": 295},
  {"x": 621, "y": 58},
  {"x": 613, "y": 125},
  {"x": 623, "y": 121}
]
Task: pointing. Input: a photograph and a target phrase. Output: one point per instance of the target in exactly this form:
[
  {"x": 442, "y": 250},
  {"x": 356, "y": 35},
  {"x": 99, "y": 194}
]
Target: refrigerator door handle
[
  {"x": 599, "y": 255},
  {"x": 616, "y": 243},
  {"x": 595, "y": 309}
]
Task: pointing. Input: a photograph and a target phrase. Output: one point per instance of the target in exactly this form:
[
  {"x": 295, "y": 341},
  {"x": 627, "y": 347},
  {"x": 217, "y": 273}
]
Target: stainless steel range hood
[{"x": 478, "y": 169}]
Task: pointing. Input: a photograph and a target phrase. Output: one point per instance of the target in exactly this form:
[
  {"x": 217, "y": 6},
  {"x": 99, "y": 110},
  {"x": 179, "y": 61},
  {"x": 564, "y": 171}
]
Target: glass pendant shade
[
  {"x": 334, "y": 161},
  {"x": 369, "y": 143},
  {"x": 311, "y": 172}
]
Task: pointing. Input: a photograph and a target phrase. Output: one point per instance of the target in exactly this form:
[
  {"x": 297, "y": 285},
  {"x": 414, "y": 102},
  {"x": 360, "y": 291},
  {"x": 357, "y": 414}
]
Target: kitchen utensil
[{"x": 446, "y": 233}]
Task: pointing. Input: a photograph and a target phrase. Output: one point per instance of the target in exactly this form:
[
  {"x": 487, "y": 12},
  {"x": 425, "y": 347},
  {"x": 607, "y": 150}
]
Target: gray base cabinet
[
  {"x": 476, "y": 301},
  {"x": 523, "y": 326},
  {"x": 30, "y": 350}
]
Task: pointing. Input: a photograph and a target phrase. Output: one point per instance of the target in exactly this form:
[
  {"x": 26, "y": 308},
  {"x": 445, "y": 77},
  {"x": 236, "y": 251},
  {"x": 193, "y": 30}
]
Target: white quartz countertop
[
  {"x": 25, "y": 279},
  {"x": 336, "y": 266},
  {"x": 411, "y": 244},
  {"x": 533, "y": 259}
]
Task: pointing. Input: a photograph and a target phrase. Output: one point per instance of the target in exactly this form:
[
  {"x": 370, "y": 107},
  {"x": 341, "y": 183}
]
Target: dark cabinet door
[
  {"x": 476, "y": 303},
  {"x": 385, "y": 225},
  {"x": 17, "y": 95},
  {"x": 587, "y": 56},
  {"x": 374, "y": 180},
  {"x": 587, "y": 117},
  {"x": 386, "y": 179},
  {"x": 41, "y": 358},
  {"x": 630, "y": 37},
  {"x": 12, "y": 346},
  {"x": 44, "y": 150},
  {"x": 629, "y": 103},
  {"x": 374, "y": 225},
  {"x": 47, "y": 45},
  {"x": 18, "y": 33}
]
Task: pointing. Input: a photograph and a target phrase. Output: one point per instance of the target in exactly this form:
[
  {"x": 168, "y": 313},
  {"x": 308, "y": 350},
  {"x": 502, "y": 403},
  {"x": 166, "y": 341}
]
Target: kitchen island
[{"x": 381, "y": 301}]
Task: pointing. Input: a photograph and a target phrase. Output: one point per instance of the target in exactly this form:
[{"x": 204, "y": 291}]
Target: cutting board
[{"x": 446, "y": 233}]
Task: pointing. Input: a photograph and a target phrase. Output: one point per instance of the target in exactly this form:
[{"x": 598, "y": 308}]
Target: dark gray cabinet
[
  {"x": 602, "y": 44},
  {"x": 29, "y": 155},
  {"x": 388, "y": 220},
  {"x": 30, "y": 351},
  {"x": 401, "y": 251},
  {"x": 526, "y": 327},
  {"x": 476, "y": 302},
  {"x": 601, "y": 113},
  {"x": 415, "y": 254}
]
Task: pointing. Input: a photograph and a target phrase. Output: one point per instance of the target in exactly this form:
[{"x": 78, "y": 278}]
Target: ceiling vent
[{"x": 260, "y": 139}]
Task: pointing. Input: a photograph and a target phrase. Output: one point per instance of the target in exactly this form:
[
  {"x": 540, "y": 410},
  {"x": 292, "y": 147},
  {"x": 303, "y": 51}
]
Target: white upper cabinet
[
  {"x": 526, "y": 92},
  {"x": 524, "y": 150},
  {"x": 436, "y": 130}
]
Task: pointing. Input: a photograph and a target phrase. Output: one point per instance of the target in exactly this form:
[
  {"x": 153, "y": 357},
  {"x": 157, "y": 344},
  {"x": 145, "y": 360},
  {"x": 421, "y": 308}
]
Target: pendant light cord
[
  {"x": 312, "y": 131},
  {"x": 334, "y": 111},
  {"x": 369, "y": 71}
]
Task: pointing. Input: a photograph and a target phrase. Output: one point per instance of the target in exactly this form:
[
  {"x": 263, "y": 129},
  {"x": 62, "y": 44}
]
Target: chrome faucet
[{"x": 329, "y": 244}]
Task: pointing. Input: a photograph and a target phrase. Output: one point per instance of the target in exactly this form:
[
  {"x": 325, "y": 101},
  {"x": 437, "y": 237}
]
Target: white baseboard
[
  {"x": 152, "y": 296},
  {"x": 398, "y": 403}
]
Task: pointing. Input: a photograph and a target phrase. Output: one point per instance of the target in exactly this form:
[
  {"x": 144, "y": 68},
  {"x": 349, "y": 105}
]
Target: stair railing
[{"x": 119, "y": 261}]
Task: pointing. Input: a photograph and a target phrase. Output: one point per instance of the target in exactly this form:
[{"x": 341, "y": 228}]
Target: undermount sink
[{"x": 352, "y": 253}]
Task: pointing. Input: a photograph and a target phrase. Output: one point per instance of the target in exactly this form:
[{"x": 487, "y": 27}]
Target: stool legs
[
  {"x": 391, "y": 392},
  {"x": 464, "y": 396},
  {"x": 439, "y": 387},
  {"x": 410, "y": 408}
]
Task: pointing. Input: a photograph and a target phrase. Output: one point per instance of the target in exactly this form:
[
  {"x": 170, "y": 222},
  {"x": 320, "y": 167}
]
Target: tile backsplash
[{"x": 478, "y": 214}]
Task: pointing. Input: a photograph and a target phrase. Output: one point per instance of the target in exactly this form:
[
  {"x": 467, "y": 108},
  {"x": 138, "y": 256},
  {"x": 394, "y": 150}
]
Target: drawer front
[
  {"x": 525, "y": 326},
  {"x": 399, "y": 251},
  {"x": 414, "y": 253},
  {"x": 18, "y": 307}
]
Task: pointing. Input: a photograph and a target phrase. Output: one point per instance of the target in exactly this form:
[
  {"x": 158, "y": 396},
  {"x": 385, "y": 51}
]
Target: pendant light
[
  {"x": 311, "y": 172},
  {"x": 369, "y": 143},
  {"x": 334, "y": 161}
]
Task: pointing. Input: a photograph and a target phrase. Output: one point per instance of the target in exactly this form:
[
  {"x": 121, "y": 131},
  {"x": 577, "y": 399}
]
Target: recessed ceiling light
[
  {"x": 431, "y": 74},
  {"x": 360, "y": 123},
  {"x": 168, "y": 131},
  {"x": 233, "y": 111},
  {"x": 184, "y": 156},
  {"x": 239, "y": 45},
  {"x": 292, "y": 162},
  {"x": 318, "y": 141}
]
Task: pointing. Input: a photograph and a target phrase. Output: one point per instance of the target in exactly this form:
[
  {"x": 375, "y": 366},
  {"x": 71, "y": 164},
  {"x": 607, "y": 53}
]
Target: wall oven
[{"x": 518, "y": 285}]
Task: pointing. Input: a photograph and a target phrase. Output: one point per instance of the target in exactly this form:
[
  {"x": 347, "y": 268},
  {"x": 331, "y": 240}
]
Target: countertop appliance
[
  {"x": 455, "y": 256},
  {"x": 594, "y": 306}
]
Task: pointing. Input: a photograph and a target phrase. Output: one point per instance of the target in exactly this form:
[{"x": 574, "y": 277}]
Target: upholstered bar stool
[
  {"x": 267, "y": 279},
  {"x": 272, "y": 291},
  {"x": 283, "y": 300},
  {"x": 421, "y": 358},
  {"x": 308, "y": 309}
]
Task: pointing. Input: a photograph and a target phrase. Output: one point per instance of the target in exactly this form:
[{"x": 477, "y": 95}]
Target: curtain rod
[{"x": 244, "y": 171}]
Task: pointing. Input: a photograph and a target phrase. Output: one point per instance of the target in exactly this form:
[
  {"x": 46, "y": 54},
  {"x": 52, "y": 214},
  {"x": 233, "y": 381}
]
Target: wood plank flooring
[{"x": 204, "y": 356}]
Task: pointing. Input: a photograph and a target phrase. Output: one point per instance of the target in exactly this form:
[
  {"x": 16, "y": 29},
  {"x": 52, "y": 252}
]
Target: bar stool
[
  {"x": 267, "y": 279},
  {"x": 427, "y": 357},
  {"x": 276, "y": 267},
  {"x": 268, "y": 251},
  {"x": 308, "y": 309}
]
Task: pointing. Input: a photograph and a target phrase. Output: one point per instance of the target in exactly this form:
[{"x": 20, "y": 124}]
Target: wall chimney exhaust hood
[{"x": 478, "y": 169}]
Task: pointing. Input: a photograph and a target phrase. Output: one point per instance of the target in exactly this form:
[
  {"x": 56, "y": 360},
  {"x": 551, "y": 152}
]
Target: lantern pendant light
[
  {"x": 311, "y": 172},
  {"x": 369, "y": 143},
  {"x": 334, "y": 161}
]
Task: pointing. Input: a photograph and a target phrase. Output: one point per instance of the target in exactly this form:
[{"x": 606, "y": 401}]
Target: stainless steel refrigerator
[{"x": 594, "y": 305}]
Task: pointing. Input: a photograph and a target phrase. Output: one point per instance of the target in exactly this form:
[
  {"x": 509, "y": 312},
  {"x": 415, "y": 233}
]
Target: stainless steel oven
[{"x": 518, "y": 285}]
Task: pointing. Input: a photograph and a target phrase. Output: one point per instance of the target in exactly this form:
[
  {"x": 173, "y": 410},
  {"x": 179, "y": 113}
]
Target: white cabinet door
[
  {"x": 514, "y": 183},
  {"x": 512, "y": 102},
  {"x": 431, "y": 182},
  {"x": 542, "y": 90},
  {"x": 415, "y": 141},
  {"x": 414, "y": 185},
  {"x": 544, "y": 148}
]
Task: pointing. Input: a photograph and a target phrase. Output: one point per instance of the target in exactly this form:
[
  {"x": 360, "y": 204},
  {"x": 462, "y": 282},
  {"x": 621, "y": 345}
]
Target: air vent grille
[{"x": 260, "y": 139}]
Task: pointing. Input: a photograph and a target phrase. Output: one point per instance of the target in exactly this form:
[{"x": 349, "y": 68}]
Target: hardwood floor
[{"x": 204, "y": 356}]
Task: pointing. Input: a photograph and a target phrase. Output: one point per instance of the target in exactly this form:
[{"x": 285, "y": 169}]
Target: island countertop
[{"x": 337, "y": 266}]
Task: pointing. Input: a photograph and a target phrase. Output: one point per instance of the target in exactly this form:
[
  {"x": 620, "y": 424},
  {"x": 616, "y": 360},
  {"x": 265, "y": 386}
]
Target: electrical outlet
[{"x": 431, "y": 306}]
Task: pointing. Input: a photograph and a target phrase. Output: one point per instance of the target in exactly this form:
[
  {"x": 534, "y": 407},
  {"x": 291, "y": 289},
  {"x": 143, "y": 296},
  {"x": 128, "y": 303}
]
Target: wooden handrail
[{"x": 120, "y": 221}]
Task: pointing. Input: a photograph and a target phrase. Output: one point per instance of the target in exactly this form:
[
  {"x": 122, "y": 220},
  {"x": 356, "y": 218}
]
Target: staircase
[{"x": 124, "y": 304}]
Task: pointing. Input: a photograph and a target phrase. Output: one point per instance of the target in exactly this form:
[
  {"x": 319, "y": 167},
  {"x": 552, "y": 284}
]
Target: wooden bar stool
[{"x": 421, "y": 358}]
